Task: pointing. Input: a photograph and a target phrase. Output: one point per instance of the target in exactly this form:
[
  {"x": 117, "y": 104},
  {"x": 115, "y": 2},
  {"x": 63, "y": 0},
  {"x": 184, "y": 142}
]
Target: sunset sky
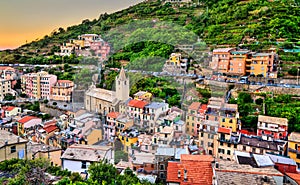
[{"x": 27, "y": 20}]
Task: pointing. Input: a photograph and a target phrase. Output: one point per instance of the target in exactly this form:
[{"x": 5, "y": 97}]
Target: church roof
[
  {"x": 122, "y": 75},
  {"x": 102, "y": 94}
]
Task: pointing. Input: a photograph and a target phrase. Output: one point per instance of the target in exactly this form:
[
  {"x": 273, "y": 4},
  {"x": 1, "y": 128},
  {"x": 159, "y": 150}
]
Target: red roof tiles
[
  {"x": 137, "y": 103},
  {"x": 50, "y": 128},
  {"x": 198, "y": 168},
  {"x": 26, "y": 119},
  {"x": 113, "y": 115},
  {"x": 10, "y": 108},
  {"x": 224, "y": 130},
  {"x": 64, "y": 81},
  {"x": 195, "y": 106},
  {"x": 203, "y": 108},
  {"x": 294, "y": 176}
]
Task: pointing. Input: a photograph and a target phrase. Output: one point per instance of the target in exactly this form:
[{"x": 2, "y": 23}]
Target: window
[
  {"x": 162, "y": 167},
  {"x": 298, "y": 156},
  {"x": 244, "y": 148},
  {"x": 221, "y": 143},
  {"x": 201, "y": 135},
  {"x": 228, "y": 152},
  {"x": 83, "y": 165},
  {"x": 229, "y": 145},
  {"x": 13, "y": 149},
  {"x": 235, "y": 146},
  {"x": 296, "y": 146}
]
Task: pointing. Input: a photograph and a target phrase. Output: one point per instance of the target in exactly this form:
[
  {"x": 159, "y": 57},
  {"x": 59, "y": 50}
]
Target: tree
[
  {"x": 120, "y": 155},
  {"x": 102, "y": 172}
]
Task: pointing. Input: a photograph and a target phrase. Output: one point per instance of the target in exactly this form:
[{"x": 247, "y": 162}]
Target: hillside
[{"x": 257, "y": 24}]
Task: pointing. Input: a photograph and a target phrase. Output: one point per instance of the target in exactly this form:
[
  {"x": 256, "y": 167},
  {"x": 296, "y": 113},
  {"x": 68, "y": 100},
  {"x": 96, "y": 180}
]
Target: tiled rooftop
[
  {"x": 137, "y": 103},
  {"x": 9, "y": 137},
  {"x": 113, "y": 115},
  {"x": 195, "y": 106},
  {"x": 224, "y": 130},
  {"x": 198, "y": 169},
  {"x": 232, "y": 166},
  {"x": 294, "y": 136},
  {"x": 91, "y": 153}
]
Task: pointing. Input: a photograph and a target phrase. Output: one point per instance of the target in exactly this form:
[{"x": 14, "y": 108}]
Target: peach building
[
  {"x": 237, "y": 62},
  {"x": 38, "y": 85},
  {"x": 220, "y": 59},
  {"x": 62, "y": 90}
]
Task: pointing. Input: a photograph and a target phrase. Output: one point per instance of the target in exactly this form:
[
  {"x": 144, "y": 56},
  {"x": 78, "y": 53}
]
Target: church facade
[{"x": 103, "y": 101}]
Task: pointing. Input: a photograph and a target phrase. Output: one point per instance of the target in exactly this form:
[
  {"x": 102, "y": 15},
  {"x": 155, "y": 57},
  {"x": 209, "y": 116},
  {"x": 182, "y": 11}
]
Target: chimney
[
  {"x": 6, "y": 142},
  {"x": 18, "y": 139},
  {"x": 178, "y": 174},
  {"x": 185, "y": 175}
]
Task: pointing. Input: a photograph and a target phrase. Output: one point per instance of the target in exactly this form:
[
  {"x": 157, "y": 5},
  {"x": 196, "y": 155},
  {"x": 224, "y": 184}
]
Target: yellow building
[
  {"x": 39, "y": 150},
  {"x": 93, "y": 135},
  {"x": 294, "y": 147},
  {"x": 262, "y": 64},
  {"x": 229, "y": 117},
  {"x": 143, "y": 95},
  {"x": 224, "y": 144},
  {"x": 11, "y": 146},
  {"x": 128, "y": 138},
  {"x": 174, "y": 59}
]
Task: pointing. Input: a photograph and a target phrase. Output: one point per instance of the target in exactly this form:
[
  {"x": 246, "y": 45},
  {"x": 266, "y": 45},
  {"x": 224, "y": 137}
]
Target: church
[{"x": 104, "y": 101}]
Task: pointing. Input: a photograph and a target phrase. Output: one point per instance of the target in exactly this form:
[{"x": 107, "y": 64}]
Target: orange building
[
  {"x": 62, "y": 90},
  {"x": 237, "y": 63},
  {"x": 220, "y": 59},
  {"x": 262, "y": 64}
]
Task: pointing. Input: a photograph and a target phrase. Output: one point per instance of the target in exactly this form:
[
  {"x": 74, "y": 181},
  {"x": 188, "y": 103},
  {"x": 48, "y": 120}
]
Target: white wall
[{"x": 74, "y": 166}]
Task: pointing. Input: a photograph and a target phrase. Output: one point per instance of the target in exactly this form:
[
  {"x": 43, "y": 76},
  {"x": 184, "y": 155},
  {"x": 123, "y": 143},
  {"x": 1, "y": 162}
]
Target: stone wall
[{"x": 51, "y": 110}]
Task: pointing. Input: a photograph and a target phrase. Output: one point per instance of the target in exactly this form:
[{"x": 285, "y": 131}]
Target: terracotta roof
[
  {"x": 64, "y": 81},
  {"x": 137, "y": 104},
  {"x": 224, "y": 130},
  {"x": 195, "y": 106},
  {"x": 294, "y": 176},
  {"x": 203, "y": 108},
  {"x": 113, "y": 115},
  {"x": 198, "y": 168},
  {"x": 50, "y": 128},
  {"x": 10, "y": 108},
  {"x": 26, "y": 119}
]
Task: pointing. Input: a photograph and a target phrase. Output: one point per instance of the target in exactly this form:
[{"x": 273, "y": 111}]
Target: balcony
[
  {"x": 268, "y": 128},
  {"x": 294, "y": 150}
]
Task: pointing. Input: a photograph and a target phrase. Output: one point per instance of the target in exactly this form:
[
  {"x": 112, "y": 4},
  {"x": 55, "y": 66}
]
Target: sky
[{"x": 28, "y": 20}]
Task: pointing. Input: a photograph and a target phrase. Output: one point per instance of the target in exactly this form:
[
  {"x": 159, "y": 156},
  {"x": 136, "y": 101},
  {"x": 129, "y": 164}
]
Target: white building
[{"x": 78, "y": 158}]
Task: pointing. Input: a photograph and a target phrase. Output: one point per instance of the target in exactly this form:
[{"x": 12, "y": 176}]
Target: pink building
[
  {"x": 100, "y": 48},
  {"x": 38, "y": 85},
  {"x": 8, "y": 73},
  {"x": 110, "y": 125}
]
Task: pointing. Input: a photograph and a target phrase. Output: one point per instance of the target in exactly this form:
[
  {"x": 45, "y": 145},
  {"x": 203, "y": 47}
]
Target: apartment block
[
  {"x": 62, "y": 90},
  {"x": 271, "y": 128},
  {"x": 38, "y": 85},
  {"x": 5, "y": 89},
  {"x": 207, "y": 136}
]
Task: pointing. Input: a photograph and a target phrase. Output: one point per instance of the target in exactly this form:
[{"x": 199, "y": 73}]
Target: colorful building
[
  {"x": 11, "y": 146},
  {"x": 191, "y": 169},
  {"x": 272, "y": 127},
  {"x": 38, "y": 85},
  {"x": 62, "y": 90},
  {"x": 294, "y": 147},
  {"x": 10, "y": 111},
  {"x": 220, "y": 59},
  {"x": 27, "y": 125}
]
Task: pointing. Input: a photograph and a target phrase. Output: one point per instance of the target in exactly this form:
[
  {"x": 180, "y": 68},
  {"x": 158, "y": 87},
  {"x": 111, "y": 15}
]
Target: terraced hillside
[{"x": 256, "y": 24}]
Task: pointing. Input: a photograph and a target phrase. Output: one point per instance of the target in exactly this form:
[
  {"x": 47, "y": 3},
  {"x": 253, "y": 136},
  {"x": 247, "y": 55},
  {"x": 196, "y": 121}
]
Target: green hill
[{"x": 257, "y": 24}]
